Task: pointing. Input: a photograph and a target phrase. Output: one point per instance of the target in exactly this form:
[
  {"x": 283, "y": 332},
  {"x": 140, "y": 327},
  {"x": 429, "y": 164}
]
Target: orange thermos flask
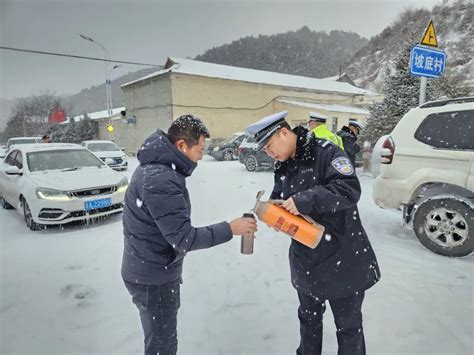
[{"x": 300, "y": 228}]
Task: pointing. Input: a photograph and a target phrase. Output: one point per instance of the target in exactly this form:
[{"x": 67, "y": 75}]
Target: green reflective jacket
[{"x": 323, "y": 132}]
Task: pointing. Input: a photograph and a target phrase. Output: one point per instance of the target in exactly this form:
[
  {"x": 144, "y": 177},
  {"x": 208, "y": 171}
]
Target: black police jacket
[
  {"x": 350, "y": 145},
  {"x": 323, "y": 184}
]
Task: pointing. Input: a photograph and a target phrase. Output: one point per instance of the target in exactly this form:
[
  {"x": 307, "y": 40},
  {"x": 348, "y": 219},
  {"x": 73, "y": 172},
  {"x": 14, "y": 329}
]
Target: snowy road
[{"x": 61, "y": 290}]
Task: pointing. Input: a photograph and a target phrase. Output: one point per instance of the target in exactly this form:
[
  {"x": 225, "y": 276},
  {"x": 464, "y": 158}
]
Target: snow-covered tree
[
  {"x": 401, "y": 92},
  {"x": 30, "y": 116},
  {"x": 86, "y": 129},
  {"x": 450, "y": 85},
  {"x": 70, "y": 135}
]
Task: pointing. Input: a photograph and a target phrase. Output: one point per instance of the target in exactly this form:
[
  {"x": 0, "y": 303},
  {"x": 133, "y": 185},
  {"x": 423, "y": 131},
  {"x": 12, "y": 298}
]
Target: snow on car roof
[
  {"x": 99, "y": 141},
  {"x": 38, "y": 147},
  {"x": 18, "y": 138}
]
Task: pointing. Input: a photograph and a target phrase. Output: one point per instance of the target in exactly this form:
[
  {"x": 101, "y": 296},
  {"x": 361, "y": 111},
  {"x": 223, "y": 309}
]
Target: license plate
[{"x": 92, "y": 205}]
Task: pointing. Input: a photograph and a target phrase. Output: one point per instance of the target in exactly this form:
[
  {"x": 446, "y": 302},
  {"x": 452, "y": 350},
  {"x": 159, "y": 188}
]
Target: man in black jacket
[
  {"x": 317, "y": 179},
  {"x": 158, "y": 232},
  {"x": 349, "y": 135}
]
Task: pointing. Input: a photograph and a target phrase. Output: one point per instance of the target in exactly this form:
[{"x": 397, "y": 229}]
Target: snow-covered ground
[{"x": 61, "y": 290}]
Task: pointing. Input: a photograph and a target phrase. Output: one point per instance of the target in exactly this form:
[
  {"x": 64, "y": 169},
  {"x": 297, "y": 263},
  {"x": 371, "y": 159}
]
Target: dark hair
[
  {"x": 285, "y": 125},
  {"x": 46, "y": 136},
  {"x": 189, "y": 128}
]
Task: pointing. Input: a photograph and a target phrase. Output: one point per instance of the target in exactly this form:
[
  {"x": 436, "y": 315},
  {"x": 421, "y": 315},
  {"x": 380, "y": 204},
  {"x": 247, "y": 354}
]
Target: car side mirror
[
  {"x": 13, "y": 170},
  {"x": 109, "y": 161},
  {"x": 122, "y": 149}
]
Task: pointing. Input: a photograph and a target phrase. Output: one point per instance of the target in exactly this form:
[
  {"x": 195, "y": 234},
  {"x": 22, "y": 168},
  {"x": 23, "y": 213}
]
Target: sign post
[{"x": 427, "y": 62}]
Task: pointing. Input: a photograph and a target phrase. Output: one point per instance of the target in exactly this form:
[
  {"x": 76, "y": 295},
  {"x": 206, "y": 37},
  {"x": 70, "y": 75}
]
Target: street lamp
[
  {"x": 110, "y": 76},
  {"x": 108, "y": 90},
  {"x": 110, "y": 87}
]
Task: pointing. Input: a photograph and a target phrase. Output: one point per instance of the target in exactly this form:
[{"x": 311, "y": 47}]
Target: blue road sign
[{"x": 427, "y": 62}]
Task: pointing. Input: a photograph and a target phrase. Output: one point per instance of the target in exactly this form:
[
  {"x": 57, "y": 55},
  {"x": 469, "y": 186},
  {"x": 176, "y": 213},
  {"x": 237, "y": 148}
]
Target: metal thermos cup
[{"x": 246, "y": 245}]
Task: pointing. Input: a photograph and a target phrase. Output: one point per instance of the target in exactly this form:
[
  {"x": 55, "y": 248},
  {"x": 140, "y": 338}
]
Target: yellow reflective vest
[{"x": 324, "y": 133}]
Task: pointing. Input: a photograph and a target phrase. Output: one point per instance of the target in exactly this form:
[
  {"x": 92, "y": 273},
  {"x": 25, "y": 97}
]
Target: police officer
[
  {"x": 317, "y": 124},
  {"x": 349, "y": 135},
  {"x": 317, "y": 179}
]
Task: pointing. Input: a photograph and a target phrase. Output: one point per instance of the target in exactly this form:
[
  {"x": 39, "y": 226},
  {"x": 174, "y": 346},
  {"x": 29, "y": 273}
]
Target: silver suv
[{"x": 427, "y": 170}]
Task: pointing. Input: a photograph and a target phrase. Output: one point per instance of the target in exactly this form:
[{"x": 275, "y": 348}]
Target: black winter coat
[
  {"x": 349, "y": 140},
  {"x": 156, "y": 219},
  {"x": 323, "y": 184}
]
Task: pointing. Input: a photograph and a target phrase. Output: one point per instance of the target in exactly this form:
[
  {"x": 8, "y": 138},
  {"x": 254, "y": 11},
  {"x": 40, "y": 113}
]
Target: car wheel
[
  {"x": 251, "y": 163},
  {"x": 5, "y": 204},
  {"x": 30, "y": 223},
  {"x": 227, "y": 156},
  {"x": 445, "y": 226}
]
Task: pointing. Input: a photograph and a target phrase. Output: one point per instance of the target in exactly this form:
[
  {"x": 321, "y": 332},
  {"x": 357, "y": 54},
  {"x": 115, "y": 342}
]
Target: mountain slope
[
  {"x": 302, "y": 52},
  {"x": 455, "y": 32}
]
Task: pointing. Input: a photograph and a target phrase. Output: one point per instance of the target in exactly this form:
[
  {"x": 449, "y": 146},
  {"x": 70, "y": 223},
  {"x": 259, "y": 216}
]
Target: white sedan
[
  {"x": 59, "y": 183},
  {"x": 109, "y": 152}
]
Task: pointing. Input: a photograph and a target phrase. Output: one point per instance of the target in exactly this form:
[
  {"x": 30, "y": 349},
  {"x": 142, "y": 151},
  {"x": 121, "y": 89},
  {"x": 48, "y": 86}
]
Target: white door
[{"x": 10, "y": 182}]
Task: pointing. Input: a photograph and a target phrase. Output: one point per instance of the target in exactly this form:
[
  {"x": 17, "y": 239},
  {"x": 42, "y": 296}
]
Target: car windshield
[
  {"x": 103, "y": 147},
  {"x": 21, "y": 141},
  {"x": 61, "y": 159}
]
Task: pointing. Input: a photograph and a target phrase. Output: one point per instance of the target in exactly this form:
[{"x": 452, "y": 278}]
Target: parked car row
[
  {"x": 58, "y": 183},
  {"x": 242, "y": 147},
  {"x": 107, "y": 151},
  {"x": 228, "y": 149}
]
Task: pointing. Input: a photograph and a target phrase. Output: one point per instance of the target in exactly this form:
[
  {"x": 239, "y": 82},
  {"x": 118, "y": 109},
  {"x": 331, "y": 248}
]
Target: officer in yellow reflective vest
[{"x": 317, "y": 124}]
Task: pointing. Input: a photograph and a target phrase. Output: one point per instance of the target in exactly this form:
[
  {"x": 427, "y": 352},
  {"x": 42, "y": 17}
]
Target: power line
[
  {"x": 233, "y": 108},
  {"x": 76, "y": 56}
]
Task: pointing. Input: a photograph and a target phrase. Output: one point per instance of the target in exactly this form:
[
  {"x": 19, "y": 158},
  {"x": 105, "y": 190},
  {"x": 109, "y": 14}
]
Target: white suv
[{"x": 427, "y": 169}]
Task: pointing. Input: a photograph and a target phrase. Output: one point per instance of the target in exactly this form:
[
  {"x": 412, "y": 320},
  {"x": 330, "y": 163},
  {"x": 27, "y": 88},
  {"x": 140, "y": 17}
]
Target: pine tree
[
  {"x": 450, "y": 85},
  {"x": 71, "y": 136},
  {"x": 86, "y": 129}
]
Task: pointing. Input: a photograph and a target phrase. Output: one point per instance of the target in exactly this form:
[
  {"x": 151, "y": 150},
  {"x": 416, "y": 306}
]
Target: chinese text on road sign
[{"x": 427, "y": 62}]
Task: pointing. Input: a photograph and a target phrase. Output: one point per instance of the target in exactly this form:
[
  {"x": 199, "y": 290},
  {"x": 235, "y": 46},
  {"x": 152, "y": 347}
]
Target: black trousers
[
  {"x": 158, "y": 307},
  {"x": 347, "y": 316}
]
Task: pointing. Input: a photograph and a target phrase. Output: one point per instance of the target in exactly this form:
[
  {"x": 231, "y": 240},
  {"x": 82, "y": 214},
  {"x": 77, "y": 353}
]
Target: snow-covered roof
[
  {"x": 326, "y": 107},
  {"x": 98, "y": 114},
  {"x": 194, "y": 67},
  {"x": 334, "y": 78}
]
